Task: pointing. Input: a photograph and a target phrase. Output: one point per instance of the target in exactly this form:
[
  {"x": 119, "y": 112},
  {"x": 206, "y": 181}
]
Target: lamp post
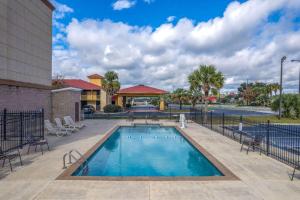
[
  {"x": 299, "y": 74},
  {"x": 280, "y": 90}
]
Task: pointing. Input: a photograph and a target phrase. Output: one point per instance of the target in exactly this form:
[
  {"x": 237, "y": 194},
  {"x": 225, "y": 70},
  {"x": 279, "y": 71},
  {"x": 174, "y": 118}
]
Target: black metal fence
[
  {"x": 16, "y": 127},
  {"x": 280, "y": 141}
]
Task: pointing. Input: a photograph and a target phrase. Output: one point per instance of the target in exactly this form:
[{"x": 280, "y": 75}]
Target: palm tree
[
  {"x": 194, "y": 96},
  {"x": 111, "y": 83},
  {"x": 276, "y": 87},
  {"x": 205, "y": 78},
  {"x": 180, "y": 95}
]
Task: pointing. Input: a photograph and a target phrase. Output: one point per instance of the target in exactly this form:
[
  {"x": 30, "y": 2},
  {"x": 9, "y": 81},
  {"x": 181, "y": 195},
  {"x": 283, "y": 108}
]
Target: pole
[{"x": 280, "y": 89}]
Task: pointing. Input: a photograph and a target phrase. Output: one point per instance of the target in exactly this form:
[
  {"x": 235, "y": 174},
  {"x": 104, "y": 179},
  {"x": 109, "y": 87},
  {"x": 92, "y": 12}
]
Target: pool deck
[{"x": 260, "y": 177}]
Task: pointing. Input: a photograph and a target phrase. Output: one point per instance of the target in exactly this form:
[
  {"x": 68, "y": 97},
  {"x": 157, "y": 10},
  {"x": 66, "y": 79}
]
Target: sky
[{"x": 160, "y": 42}]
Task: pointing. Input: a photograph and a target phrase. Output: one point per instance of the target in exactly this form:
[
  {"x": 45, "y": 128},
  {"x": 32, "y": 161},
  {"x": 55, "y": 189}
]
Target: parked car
[{"x": 88, "y": 109}]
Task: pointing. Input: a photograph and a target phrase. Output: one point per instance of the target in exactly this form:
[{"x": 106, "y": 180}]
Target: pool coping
[{"x": 227, "y": 174}]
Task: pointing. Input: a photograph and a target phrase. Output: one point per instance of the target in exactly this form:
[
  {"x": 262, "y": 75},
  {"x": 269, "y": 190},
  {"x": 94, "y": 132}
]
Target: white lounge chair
[
  {"x": 51, "y": 130},
  {"x": 69, "y": 121},
  {"x": 62, "y": 127}
]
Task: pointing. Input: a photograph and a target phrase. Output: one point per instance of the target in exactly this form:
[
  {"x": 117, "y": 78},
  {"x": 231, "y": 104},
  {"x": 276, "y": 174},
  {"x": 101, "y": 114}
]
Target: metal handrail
[{"x": 70, "y": 154}]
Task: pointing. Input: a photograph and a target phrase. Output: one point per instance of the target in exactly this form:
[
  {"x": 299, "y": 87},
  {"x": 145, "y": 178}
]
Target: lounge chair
[
  {"x": 9, "y": 157},
  {"x": 69, "y": 121},
  {"x": 34, "y": 142},
  {"x": 62, "y": 127},
  {"x": 51, "y": 130},
  {"x": 252, "y": 141}
]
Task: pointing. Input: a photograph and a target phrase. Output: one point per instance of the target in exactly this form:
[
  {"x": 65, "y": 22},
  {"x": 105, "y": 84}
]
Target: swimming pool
[{"x": 148, "y": 151}]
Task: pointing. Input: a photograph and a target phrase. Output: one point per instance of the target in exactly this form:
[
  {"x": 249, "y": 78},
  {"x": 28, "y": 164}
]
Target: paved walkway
[{"x": 261, "y": 177}]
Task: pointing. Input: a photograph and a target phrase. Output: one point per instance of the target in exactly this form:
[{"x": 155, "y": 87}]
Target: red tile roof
[
  {"x": 95, "y": 76},
  {"x": 139, "y": 89},
  {"x": 77, "y": 83}
]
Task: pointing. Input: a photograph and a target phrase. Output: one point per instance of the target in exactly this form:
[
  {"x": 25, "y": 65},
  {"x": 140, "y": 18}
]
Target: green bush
[
  {"x": 290, "y": 105},
  {"x": 112, "y": 108}
]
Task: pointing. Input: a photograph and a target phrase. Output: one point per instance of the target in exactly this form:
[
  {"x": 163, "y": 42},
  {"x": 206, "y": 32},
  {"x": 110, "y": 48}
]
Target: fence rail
[
  {"x": 279, "y": 141},
  {"x": 16, "y": 127}
]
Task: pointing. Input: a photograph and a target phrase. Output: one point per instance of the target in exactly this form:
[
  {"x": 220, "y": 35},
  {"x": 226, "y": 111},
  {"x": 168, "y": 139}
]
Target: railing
[
  {"x": 15, "y": 127},
  {"x": 90, "y": 97},
  {"x": 280, "y": 141}
]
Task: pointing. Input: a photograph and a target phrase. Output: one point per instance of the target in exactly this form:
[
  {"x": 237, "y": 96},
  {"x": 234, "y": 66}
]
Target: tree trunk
[
  {"x": 205, "y": 107},
  {"x": 180, "y": 105}
]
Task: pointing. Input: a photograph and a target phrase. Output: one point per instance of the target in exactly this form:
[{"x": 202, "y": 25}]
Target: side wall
[
  {"x": 25, "y": 55},
  {"x": 63, "y": 103},
  {"x": 20, "y": 98},
  {"x": 25, "y": 41}
]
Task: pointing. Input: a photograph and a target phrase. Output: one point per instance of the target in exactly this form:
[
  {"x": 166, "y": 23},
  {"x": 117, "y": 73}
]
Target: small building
[
  {"x": 66, "y": 102},
  {"x": 92, "y": 92},
  {"x": 139, "y": 91}
]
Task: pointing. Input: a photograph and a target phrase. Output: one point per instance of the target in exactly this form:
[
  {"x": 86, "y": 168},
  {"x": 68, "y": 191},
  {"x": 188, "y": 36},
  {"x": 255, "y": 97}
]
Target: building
[
  {"x": 124, "y": 94},
  {"x": 26, "y": 55},
  {"x": 66, "y": 102},
  {"x": 92, "y": 91}
]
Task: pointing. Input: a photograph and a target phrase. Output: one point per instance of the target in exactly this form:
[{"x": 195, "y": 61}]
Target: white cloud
[
  {"x": 123, "y": 4},
  {"x": 170, "y": 18},
  {"x": 242, "y": 47},
  {"x": 61, "y": 10}
]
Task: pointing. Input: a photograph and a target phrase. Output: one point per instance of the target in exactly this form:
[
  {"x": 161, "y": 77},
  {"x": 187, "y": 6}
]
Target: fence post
[
  {"x": 42, "y": 124},
  {"x": 268, "y": 137},
  {"x": 4, "y": 123},
  {"x": 21, "y": 130},
  {"x": 241, "y": 122},
  {"x": 201, "y": 115},
  {"x": 223, "y": 123},
  {"x": 211, "y": 121}
]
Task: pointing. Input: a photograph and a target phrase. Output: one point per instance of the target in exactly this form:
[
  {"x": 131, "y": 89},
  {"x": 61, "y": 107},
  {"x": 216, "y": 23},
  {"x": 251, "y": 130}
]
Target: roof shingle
[
  {"x": 139, "y": 89},
  {"x": 77, "y": 83}
]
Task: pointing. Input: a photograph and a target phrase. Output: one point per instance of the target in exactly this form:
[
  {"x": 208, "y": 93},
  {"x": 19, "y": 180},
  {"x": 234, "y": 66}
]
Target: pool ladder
[{"x": 71, "y": 155}]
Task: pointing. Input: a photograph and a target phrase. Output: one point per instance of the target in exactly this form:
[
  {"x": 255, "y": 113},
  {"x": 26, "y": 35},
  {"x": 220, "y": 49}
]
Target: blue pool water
[{"x": 148, "y": 151}]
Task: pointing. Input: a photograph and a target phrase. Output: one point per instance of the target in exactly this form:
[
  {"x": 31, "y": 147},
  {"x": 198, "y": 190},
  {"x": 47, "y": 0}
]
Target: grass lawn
[{"x": 273, "y": 119}]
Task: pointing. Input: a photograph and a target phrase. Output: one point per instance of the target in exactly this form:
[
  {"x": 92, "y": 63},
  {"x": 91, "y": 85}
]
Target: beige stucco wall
[
  {"x": 103, "y": 99},
  {"x": 63, "y": 103},
  {"x": 25, "y": 41}
]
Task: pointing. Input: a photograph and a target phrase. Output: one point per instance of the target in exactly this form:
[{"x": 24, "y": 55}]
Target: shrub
[
  {"x": 112, "y": 108},
  {"x": 290, "y": 105}
]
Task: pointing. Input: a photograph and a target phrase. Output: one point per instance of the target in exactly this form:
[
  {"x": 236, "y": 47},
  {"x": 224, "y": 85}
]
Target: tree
[
  {"x": 194, "y": 96},
  {"x": 290, "y": 105},
  {"x": 276, "y": 87},
  {"x": 205, "y": 78},
  {"x": 180, "y": 95},
  {"x": 111, "y": 83},
  {"x": 58, "y": 81},
  {"x": 248, "y": 95}
]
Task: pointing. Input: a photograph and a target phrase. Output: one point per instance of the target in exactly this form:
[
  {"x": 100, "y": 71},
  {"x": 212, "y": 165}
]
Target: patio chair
[
  {"x": 69, "y": 121},
  {"x": 34, "y": 142},
  {"x": 296, "y": 167},
  {"x": 9, "y": 156},
  {"x": 130, "y": 116},
  {"x": 62, "y": 127},
  {"x": 51, "y": 130},
  {"x": 252, "y": 141}
]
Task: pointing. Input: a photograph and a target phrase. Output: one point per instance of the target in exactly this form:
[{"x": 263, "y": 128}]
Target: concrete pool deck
[{"x": 261, "y": 177}]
